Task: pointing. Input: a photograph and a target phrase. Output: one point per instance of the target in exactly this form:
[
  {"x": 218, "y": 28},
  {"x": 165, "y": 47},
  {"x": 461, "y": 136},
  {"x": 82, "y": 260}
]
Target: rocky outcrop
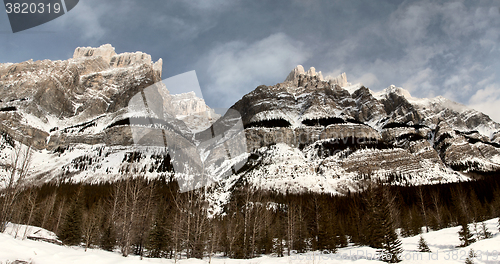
[
  {"x": 370, "y": 161},
  {"x": 340, "y": 80},
  {"x": 106, "y": 52},
  {"x": 21, "y": 132},
  {"x": 188, "y": 104},
  {"x": 466, "y": 151},
  {"x": 303, "y": 136},
  {"x": 295, "y": 73},
  {"x": 299, "y": 70},
  {"x": 193, "y": 111},
  {"x": 496, "y": 137}
]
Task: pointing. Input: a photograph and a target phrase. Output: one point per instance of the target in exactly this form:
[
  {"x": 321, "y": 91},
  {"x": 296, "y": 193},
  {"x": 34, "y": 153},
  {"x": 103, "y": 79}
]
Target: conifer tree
[
  {"x": 342, "y": 240},
  {"x": 477, "y": 209},
  {"x": 374, "y": 224},
  {"x": 416, "y": 222},
  {"x": 485, "y": 233},
  {"x": 327, "y": 235},
  {"x": 158, "y": 237},
  {"x": 71, "y": 231},
  {"x": 383, "y": 233},
  {"x": 422, "y": 245},
  {"x": 392, "y": 245},
  {"x": 470, "y": 258},
  {"x": 465, "y": 235}
]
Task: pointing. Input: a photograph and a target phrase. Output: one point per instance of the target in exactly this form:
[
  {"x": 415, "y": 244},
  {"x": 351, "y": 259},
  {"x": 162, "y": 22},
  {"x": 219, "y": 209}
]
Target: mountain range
[{"x": 308, "y": 133}]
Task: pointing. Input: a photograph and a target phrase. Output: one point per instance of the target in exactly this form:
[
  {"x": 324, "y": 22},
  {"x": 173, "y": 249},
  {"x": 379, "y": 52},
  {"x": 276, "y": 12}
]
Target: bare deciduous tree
[{"x": 18, "y": 170}]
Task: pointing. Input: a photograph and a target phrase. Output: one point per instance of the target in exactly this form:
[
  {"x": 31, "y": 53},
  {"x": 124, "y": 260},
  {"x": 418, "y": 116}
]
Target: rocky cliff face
[
  {"x": 307, "y": 133},
  {"x": 95, "y": 81},
  {"x": 76, "y": 113},
  {"x": 338, "y": 136},
  {"x": 193, "y": 111}
]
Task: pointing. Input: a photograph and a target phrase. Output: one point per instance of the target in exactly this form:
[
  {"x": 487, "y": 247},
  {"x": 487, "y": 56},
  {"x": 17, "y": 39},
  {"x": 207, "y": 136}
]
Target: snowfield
[{"x": 442, "y": 244}]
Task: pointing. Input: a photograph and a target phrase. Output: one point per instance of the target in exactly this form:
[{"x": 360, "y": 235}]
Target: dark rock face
[
  {"x": 21, "y": 132},
  {"x": 413, "y": 136},
  {"x": 303, "y": 136}
]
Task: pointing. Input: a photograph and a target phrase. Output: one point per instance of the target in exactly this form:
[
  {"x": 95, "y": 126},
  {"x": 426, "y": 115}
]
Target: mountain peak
[
  {"x": 106, "y": 51},
  {"x": 108, "y": 54},
  {"x": 397, "y": 90},
  {"x": 299, "y": 70},
  {"x": 340, "y": 80}
]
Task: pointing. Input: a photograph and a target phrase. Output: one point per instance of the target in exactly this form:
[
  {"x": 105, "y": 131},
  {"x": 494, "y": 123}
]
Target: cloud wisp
[{"x": 237, "y": 67}]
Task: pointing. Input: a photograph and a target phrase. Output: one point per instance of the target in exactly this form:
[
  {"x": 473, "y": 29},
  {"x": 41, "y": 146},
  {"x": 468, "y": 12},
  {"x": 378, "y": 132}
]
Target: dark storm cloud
[{"x": 430, "y": 48}]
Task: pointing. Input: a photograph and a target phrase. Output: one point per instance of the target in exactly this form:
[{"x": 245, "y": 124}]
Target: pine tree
[
  {"x": 477, "y": 209},
  {"x": 470, "y": 258},
  {"x": 375, "y": 219},
  {"x": 485, "y": 233},
  {"x": 465, "y": 235},
  {"x": 71, "y": 231},
  {"x": 392, "y": 245},
  {"x": 158, "y": 237},
  {"x": 342, "y": 239},
  {"x": 422, "y": 245},
  {"x": 328, "y": 228}
]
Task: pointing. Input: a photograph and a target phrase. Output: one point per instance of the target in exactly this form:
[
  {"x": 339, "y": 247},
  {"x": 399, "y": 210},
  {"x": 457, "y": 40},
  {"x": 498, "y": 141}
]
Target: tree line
[{"x": 151, "y": 218}]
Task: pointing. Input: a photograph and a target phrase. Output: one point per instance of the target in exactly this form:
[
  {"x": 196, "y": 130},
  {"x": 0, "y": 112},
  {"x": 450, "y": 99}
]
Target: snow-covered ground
[{"x": 442, "y": 243}]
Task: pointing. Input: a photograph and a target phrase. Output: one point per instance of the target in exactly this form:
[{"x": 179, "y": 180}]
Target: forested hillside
[{"x": 151, "y": 218}]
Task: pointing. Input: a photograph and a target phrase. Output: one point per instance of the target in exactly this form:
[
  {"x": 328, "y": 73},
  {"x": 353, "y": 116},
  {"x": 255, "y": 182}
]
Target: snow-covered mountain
[
  {"x": 78, "y": 114},
  {"x": 307, "y": 133}
]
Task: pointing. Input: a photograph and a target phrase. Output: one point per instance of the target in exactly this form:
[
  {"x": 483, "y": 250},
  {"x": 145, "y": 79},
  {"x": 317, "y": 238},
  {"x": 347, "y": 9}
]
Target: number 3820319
[{"x": 32, "y": 8}]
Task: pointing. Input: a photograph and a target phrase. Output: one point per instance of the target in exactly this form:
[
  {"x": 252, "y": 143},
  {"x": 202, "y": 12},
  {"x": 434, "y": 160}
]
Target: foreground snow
[{"x": 442, "y": 243}]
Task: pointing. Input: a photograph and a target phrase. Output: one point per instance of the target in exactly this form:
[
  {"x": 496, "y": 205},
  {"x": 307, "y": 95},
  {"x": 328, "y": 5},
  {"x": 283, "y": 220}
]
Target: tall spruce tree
[
  {"x": 375, "y": 219},
  {"x": 382, "y": 233},
  {"x": 327, "y": 234},
  {"x": 392, "y": 245},
  {"x": 341, "y": 238},
  {"x": 158, "y": 236},
  {"x": 71, "y": 231}
]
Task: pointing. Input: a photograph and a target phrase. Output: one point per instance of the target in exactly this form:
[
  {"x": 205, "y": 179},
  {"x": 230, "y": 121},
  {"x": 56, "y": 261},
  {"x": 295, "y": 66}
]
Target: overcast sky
[{"x": 429, "y": 48}]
